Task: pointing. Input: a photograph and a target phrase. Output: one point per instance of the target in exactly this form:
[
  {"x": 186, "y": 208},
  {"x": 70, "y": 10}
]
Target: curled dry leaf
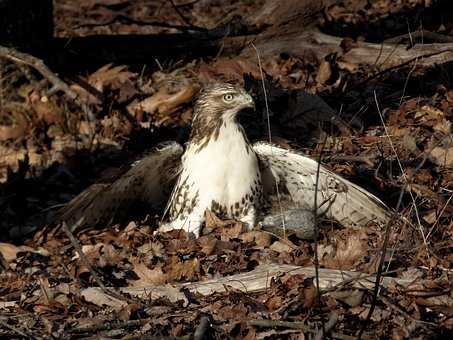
[
  {"x": 163, "y": 102},
  {"x": 347, "y": 251},
  {"x": 16, "y": 131},
  {"x": 229, "y": 69},
  {"x": 147, "y": 276},
  {"x": 442, "y": 156},
  {"x": 97, "y": 297},
  {"x": 280, "y": 247},
  {"x": 10, "y": 251}
]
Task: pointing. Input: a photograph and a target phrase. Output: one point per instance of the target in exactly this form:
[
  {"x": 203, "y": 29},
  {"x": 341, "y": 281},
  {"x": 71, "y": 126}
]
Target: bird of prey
[{"x": 221, "y": 171}]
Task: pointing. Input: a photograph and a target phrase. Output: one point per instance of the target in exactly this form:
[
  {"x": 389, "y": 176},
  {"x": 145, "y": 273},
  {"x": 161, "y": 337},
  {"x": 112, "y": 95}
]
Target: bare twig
[
  {"x": 106, "y": 326},
  {"x": 182, "y": 16},
  {"x": 17, "y": 330},
  {"x": 75, "y": 243},
  {"x": 280, "y": 323},
  {"x": 316, "y": 225},
  {"x": 38, "y": 65},
  {"x": 392, "y": 68},
  {"x": 128, "y": 20},
  {"x": 393, "y": 218},
  {"x": 294, "y": 325}
]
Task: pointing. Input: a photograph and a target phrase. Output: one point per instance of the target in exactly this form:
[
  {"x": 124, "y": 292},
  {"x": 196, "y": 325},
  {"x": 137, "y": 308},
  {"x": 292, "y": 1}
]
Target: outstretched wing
[
  {"x": 148, "y": 183},
  {"x": 338, "y": 198}
]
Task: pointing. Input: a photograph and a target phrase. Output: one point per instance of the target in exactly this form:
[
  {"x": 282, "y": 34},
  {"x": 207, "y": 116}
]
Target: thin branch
[
  {"x": 316, "y": 226},
  {"x": 394, "y": 217},
  {"x": 17, "y": 330},
  {"x": 392, "y": 68},
  {"x": 38, "y": 65},
  {"x": 75, "y": 243},
  {"x": 128, "y": 20},
  {"x": 181, "y": 15}
]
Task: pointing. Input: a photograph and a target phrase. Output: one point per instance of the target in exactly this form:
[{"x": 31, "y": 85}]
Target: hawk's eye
[{"x": 228, "y": 97}]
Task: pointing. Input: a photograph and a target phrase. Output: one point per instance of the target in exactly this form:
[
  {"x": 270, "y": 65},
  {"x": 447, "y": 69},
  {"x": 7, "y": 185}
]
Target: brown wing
[
  {"x": 148, "y": 183},
  {"x": 337, "y": 197}
]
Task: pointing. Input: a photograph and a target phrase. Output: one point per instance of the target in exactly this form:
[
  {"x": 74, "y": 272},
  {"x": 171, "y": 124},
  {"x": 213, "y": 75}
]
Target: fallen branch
[
  {"x": 256, "y": 280},
  {"x": 38, "y": 65},
  {"x": 385, "y": 56},
  {"x": 299, "y": 325}
]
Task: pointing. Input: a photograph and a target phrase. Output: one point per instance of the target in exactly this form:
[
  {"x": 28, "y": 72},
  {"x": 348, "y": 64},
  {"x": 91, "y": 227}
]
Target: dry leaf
[
  {"x": 147, "y": 276},
  {"x": 10, "y": 251},
  {"x": 442, "y": 157},
  {"x": 97, "y": 297},
  {"x": 280, "y": 247}
]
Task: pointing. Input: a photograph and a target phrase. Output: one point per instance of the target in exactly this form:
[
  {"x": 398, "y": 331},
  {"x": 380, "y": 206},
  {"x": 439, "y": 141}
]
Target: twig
[
  {"x": 387, "y": 230},
  {"x": 38, "y": 65},
  {"x": 316, "y": 226},
  {"x": 278, "y": 323},
  {"x": 294, "y": 325},
  {"x": 87, "y": 263},
  {"x": 437, "y": 37},
  {"x": 109, "y": 326},
  {"x": 203, "y": 327},
  {"x": 128, "y": 20},
  {"x": 182, "y": 16},
  {"x": 17, "y": 330},
  {"x": 391, "y": 68}
]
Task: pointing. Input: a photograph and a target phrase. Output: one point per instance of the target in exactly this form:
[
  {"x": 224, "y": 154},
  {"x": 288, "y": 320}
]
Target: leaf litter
[{"x": 50, "y": 151}]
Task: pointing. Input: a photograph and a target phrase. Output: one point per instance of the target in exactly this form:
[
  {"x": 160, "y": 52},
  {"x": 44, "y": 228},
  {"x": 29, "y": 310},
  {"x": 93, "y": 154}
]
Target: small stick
[
  {"x": 75, "y": 243},
  {"x": 38, "y": 65},
  {"x": 17, "y": 330}
]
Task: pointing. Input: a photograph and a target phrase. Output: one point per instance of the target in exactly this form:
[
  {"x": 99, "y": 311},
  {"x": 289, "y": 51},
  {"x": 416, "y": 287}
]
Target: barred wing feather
[
  {"x": 148, "y": 183},
  {"x": 338, "y": 198}
]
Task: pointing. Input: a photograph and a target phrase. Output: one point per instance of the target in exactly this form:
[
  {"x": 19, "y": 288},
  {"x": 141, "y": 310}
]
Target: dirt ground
[{"x": 386, "y": 128}]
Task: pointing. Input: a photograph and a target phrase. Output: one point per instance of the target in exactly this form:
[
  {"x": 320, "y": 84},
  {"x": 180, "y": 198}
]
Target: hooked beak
[{"x": 248, "y": 102}]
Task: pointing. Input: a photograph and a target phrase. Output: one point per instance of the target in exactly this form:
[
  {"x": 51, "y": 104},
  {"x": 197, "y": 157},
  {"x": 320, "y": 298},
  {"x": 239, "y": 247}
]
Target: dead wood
[
  {"x": 58, "y": 84},
  {"x": 314, "y": 43},
  {"x": 256, "y": 280}
]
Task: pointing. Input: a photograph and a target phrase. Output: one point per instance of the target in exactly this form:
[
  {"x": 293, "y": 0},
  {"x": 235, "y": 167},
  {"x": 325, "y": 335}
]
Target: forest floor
[{"x": 388, "y": 129}]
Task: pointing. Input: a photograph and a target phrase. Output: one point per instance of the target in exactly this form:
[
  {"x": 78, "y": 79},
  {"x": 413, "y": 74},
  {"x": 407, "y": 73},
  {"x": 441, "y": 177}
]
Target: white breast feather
[{"x": 223, "y": 170}]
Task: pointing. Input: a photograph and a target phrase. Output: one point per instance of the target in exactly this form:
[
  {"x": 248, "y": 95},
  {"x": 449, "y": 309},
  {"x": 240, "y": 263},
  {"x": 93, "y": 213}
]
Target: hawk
[{"x": 222, "y": 171}]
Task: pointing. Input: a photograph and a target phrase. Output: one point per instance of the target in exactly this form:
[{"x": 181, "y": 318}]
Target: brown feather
[{"x": 149, "y": 182}]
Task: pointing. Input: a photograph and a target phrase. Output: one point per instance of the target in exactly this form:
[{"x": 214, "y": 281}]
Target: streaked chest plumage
[{"x": 221, "y": 174}]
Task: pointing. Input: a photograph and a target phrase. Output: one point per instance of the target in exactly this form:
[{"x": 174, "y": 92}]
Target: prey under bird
[{"x": 221, "y": 171}]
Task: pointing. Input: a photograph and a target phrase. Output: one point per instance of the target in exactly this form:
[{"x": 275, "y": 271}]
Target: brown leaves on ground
[{"x": 46, "y": 286}]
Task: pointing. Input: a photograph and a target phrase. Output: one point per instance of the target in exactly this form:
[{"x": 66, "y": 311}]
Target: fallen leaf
[
  {"x": 280, "y": 247},
  {"x": 442, "y": 156},
  {"x": 147, "y": 276},
  {"x": 97, "y": 297},
  {"x": 10, "y": 251}
]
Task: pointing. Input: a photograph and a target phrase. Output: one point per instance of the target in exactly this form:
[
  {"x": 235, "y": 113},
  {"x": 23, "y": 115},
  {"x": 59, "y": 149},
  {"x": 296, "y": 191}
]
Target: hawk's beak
[{"x": 249, "y": 102}]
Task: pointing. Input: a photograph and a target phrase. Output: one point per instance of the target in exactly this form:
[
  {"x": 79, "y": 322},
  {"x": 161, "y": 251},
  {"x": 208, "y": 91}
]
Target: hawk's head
[
  {"x": 216, "y": 106},
  {"x": 221, "y": 102}
]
